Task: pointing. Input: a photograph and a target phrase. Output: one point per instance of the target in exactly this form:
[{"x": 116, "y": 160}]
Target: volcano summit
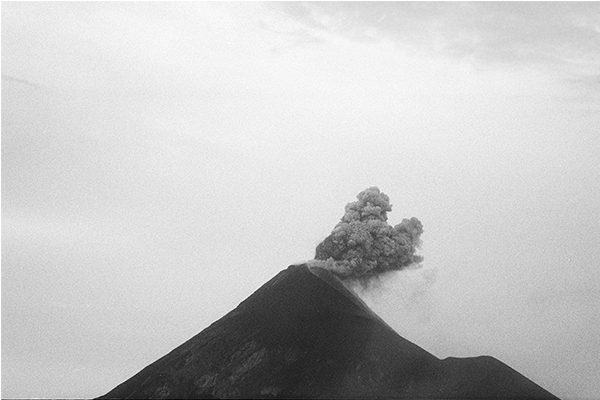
[{"x": 304, "y": 335}]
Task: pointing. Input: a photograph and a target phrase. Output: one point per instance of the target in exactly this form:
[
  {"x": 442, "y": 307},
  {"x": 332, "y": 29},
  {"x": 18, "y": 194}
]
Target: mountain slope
[{"x": 304, "y": 335}]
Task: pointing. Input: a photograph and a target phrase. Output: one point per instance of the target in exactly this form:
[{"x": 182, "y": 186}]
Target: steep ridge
[{"x": 304, "y": 335}]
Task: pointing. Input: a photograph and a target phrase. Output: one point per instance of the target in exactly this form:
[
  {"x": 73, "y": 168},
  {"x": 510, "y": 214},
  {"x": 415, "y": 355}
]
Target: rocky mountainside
[{"x": 304, "y": 335}]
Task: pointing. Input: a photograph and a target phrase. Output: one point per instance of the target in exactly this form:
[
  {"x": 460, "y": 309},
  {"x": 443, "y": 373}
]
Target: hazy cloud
[
  {"x": 25, "y": 82},
  {"x": 562, "y": 36}
]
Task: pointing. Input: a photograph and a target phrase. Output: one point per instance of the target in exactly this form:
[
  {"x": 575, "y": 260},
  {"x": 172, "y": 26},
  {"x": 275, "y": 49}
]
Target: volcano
[{"x": 303, "y": 334}]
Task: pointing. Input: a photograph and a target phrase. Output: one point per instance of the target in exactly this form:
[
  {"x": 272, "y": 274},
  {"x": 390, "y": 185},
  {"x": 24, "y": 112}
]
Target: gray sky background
[{"x": 161, "y": 161}]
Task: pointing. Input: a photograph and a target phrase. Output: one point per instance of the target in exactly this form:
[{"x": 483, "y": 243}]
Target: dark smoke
[{"x": 363, "y": 245}]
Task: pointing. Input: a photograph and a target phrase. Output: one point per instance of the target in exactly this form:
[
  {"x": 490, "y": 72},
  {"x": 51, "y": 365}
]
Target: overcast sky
[{"x": 161, "y": 161}]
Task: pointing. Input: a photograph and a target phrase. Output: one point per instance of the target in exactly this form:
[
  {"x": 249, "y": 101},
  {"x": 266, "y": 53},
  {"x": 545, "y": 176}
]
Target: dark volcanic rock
[{"x": 304, "y": 335}]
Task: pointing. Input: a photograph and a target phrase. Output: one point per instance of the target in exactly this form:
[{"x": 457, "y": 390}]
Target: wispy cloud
[
  {"x": 9, "y": 78},
  {"x": 563, "y": 37}
]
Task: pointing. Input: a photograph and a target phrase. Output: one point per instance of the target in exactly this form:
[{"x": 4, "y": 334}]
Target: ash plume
[{"x": 363, "y": 245}]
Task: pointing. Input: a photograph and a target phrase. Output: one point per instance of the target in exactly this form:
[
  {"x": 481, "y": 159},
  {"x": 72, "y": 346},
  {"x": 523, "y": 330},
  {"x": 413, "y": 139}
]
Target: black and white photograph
[{"x": 334, "y": 200}]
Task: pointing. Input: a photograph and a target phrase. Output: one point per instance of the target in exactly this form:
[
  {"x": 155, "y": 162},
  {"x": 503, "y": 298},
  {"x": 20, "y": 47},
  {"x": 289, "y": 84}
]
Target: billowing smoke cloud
[{"x": 363, "y": 245}]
